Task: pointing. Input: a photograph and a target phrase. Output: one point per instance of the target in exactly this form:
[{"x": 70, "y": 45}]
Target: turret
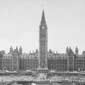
[{"x": 76, "y": 50}]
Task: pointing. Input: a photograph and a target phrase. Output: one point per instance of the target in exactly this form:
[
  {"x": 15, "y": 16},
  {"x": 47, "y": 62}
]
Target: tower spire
[{"x": 43, "y": 21}]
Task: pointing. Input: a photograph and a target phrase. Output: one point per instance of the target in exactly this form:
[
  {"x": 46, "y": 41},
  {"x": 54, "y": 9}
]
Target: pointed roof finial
[{"x": 43, "y": 21}]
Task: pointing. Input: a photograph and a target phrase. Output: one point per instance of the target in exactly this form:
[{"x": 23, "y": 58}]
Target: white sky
[{"x": 20, "y": 19}]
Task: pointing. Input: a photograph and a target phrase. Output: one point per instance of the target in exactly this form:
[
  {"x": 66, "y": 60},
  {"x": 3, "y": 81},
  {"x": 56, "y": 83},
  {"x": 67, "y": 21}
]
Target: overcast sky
[{"x": 20, "y": 20}]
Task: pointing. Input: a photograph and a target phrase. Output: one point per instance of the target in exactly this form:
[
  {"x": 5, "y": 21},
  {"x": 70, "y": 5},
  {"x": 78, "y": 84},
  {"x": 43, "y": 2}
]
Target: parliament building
[{"x": 43, "y": 58}]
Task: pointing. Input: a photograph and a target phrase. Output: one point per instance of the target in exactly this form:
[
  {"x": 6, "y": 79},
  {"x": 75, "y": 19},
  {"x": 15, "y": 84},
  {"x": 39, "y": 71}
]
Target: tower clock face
[{"x": 43, "y": 27}]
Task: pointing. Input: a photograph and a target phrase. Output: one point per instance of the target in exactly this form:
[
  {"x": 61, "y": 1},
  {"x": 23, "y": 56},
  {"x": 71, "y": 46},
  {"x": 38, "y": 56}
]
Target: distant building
[
  {"x": 29, "y": 61},
  {"x": 7, "y": 62},
  {"x": 57, "y": 62},
  {"x": 10, "y": 62},
  {"x": 1, "y": 58}
]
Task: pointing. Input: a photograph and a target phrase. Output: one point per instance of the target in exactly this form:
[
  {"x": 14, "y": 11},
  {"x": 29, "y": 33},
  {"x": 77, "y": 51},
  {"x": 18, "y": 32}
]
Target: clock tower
[{"x": 43, "y": 47}]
